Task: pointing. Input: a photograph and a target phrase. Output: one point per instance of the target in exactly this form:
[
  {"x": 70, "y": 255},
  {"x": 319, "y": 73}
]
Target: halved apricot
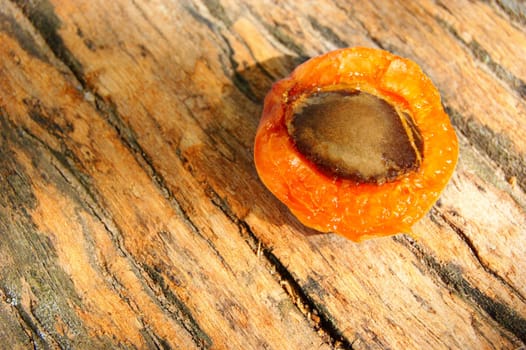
[{"x": 356, "y": 142}]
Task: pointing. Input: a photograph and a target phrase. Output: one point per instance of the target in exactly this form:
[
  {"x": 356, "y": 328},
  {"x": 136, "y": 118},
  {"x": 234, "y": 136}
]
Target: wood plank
[
  {"x": 131, "y": 269},
  {"x": 132, "y": 141}
]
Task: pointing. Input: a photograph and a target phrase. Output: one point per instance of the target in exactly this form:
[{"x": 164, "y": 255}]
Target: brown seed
[{"x": 355, "y": 135}]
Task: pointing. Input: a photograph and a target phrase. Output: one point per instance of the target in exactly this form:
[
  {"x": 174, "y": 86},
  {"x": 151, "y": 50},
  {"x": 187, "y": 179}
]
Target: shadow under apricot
[{"x": 254, "y": 82}]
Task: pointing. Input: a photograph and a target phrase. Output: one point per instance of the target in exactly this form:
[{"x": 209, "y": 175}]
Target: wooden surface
[{"x": 131, "y": 215}]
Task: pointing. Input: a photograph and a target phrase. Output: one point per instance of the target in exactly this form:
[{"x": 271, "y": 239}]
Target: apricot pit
[{"x": 355, "y": 135}]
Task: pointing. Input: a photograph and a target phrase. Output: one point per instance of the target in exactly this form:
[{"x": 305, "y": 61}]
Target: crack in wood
[
  {"x": 22, "y": 36},
  {"x": 218, "y": 11},
  {"x": 473, "y": 249},
  {"x": 183, "y": 314},
  {"x": 451, "y": 275},
  {"x": 284, "y": 39},
  {"x": 153, "y": 340},
  {"x": 327, "y": 33},
  {"x": 482, "y": 55},
  {"x": 42, "y": 15},
  {"x": 496, "y": 146},
  {"x": 515, "y": 9},
  {"x": 317, "y": 316}
]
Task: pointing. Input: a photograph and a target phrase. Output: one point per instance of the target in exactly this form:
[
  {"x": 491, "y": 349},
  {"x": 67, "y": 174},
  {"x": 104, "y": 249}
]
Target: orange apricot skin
[{"x": 329, "y": 204}]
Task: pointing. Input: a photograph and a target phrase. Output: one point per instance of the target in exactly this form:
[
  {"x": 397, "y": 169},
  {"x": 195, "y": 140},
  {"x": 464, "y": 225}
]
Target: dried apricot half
[{"x": 356, "y": 142}]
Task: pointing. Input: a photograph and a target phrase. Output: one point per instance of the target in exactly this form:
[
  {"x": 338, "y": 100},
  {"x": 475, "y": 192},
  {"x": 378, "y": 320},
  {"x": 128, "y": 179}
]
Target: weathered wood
[{"x": 132, "y": 215}]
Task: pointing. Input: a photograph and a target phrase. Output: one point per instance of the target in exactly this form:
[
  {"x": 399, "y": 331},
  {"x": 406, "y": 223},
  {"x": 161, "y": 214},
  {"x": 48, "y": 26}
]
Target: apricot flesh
[{"x": 361, "y": 199}]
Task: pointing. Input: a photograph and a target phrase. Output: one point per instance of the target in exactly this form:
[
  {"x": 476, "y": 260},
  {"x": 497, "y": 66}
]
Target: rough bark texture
[{"x": 131, "y": 215}]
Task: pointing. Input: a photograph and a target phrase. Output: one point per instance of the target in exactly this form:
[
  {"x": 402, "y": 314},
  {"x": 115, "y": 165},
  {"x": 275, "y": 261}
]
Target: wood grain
[{"x": 132, "y": 216}]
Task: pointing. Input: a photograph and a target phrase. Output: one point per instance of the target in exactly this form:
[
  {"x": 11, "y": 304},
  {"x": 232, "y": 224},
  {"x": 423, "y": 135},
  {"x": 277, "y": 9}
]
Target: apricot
[{"x": 356, "y": 142}]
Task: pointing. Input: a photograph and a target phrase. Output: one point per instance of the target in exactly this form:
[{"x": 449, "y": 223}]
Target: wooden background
[{"x": 131, "y": 215}]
